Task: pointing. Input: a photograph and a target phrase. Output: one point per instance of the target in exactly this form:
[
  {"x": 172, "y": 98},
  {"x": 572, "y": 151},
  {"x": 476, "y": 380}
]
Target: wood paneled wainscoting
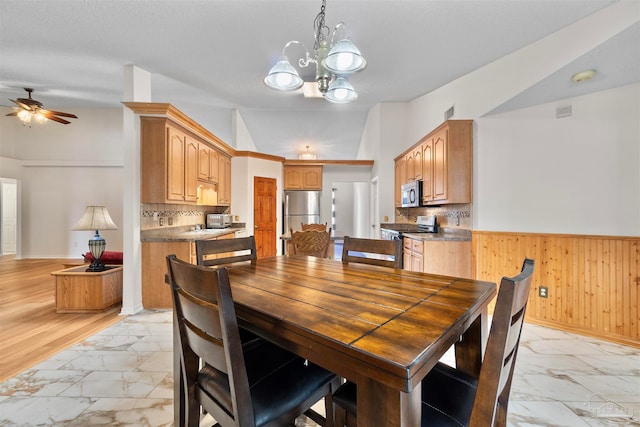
[{"x": 593, "y": 281}]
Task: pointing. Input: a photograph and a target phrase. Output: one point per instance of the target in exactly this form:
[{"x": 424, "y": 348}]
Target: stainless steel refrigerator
[{"x": 300, "y": 207}]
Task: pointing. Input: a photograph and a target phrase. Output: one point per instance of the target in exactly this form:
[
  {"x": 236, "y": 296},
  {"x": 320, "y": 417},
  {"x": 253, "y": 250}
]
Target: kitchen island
[{"x": 160, "y": 242}]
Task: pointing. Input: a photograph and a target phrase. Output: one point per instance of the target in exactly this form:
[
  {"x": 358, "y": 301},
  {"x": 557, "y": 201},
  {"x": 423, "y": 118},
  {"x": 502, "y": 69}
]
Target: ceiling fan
[{"x": 29, "y": 108}]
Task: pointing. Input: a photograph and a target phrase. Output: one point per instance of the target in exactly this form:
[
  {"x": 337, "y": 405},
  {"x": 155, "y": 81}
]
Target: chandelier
[{"x": 334, "y": 61}]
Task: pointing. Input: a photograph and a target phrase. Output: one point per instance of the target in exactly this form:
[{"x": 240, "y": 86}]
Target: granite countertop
[
  {"x": 185, "y": 234},
  {"x": 451, "y": 234},
  {"x": 444, "y": 233}
]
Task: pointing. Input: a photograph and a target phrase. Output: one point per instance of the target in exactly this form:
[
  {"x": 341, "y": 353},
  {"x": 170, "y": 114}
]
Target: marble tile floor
[{"x": 122, "y": 377}]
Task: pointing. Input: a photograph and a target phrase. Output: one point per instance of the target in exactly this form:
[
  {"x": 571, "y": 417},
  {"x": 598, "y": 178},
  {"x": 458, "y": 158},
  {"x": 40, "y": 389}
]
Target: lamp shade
[
  {"x": 345, "y": 58},
  {"x": 283, "y": 76},
  {"x": 341, "y": 92},
  {"x": 95, "y": 218}
]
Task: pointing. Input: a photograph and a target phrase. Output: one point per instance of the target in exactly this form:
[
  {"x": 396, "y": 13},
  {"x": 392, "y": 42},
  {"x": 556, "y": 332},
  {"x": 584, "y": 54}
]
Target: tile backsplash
[
  {"x": 151, "y": 215},
  {"x": 449, "y": 216}
]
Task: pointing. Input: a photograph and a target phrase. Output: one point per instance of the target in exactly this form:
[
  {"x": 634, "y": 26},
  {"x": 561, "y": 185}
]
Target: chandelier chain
[{"x": 320, "y": 27}]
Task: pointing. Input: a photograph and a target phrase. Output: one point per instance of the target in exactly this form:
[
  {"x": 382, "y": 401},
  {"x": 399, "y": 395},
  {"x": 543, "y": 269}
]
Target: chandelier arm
[
  {"x": 335, "y": 31},
  {"x": 302, "y": 62}
]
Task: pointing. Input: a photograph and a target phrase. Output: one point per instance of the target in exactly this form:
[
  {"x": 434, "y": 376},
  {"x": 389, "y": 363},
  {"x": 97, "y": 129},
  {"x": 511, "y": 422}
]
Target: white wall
[
  {"x": 61, "y": 169},
  {"x": 243, "y": 169},
  {"x": 339, "y": 173},
  {"x": 576, "y": 175}
]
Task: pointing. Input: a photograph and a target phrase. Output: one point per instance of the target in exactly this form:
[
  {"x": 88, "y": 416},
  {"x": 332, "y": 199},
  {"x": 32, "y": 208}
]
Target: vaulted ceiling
[{"x": 209, "y": 58}]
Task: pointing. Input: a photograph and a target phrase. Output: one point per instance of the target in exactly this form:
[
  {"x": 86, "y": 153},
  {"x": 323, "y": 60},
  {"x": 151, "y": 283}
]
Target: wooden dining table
[{"x": 381, "y": 328}]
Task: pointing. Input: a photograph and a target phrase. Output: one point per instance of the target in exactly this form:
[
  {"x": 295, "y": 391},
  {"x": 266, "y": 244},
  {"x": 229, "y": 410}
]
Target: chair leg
[{"x": 341, "y": 417}]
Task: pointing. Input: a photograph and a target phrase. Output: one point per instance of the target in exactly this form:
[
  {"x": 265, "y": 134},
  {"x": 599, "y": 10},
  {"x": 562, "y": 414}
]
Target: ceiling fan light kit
[
  {"x": 29, "y": 109},
  {"x": 333, "y": 62}
]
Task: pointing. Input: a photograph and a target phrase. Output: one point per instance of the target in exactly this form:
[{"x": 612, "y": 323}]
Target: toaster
[{"x": 219, "y": 220}]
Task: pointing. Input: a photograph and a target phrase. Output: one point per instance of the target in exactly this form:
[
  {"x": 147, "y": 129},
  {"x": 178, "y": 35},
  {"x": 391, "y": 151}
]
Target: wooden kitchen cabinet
[
  {"x": 168, "y": 160},
  {"x": 444, "y": 161},
  {"x": 413, "y": 255},
  {"x": 302, "y": 177},
  {"x": 207, "y": 164},
  {"x": 447, "y": 159},
  {"x": 398, "y": 182},
  {"x": 447, "y": 257},
  {"x": 155, "y": 292},
  {"x": 224, "y": 180}
]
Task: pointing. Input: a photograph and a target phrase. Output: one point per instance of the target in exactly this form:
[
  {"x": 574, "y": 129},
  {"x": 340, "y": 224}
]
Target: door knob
[{"x": 255, "y": 226}]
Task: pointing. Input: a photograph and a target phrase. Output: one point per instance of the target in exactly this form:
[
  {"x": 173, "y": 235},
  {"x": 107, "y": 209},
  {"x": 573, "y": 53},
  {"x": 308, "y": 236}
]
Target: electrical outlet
[
  {"x": 543, "y": 292},
  {"x": 170, "y": 220},
  {"x": 160, "y": 221}
]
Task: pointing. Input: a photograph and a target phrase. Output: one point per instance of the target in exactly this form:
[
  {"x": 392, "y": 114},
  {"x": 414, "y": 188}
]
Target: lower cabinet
[
  {"x": 448, "y": 258},
  {"x": 444, "y": 257},
  {"x": 413, "y": 255},
  {"x": 155, "y": 292}
]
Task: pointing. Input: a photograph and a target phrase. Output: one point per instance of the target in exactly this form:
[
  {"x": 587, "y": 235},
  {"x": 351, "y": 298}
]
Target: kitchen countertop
[
  {"x": 185, "y": 234},
  {"x": 444, "y": 233}
]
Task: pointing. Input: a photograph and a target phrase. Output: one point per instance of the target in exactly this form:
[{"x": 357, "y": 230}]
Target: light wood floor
[{"x": 30, "y": 329}]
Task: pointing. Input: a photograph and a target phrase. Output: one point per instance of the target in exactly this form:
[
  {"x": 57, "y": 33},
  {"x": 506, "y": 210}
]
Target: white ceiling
[{"x": 209, "y": 57}]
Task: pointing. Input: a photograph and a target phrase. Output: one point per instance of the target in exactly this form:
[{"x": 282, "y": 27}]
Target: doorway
[
  {"x": 350, "y": 211},
  {"x": 8, "y": 216},
  {"x": 264, "y": 216}
]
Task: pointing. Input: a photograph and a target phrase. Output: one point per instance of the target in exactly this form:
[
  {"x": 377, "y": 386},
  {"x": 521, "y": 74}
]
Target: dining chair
[
  {"x": 311, "y": 242},
  {"x": 453, "y": 398},
  {"x": 317, "y": 227},
  {"x": 239, "y": 385},
  {"x": 211, "y": 252},
  {"x": 372, "y": 251}
]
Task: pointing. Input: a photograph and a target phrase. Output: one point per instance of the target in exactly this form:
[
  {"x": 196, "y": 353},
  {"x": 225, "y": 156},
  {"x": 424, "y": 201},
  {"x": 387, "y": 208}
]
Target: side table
[{"x": 81, "y": 291}]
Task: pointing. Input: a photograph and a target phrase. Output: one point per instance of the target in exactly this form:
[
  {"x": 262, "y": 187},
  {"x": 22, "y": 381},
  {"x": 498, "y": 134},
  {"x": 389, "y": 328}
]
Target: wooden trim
[
  {"x": 257, "y": 155},
  {"x": 171, "y": 112},
  {"x": 593, "y": 281},
  {"x": 417, "y": 144}
]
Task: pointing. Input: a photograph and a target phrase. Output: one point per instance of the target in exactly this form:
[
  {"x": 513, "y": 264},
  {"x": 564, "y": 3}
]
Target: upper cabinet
[
  {"x": 302, "y": 177},
  {"x": 175, "y": 163},
  {"x": 207, "y": 164},
  {"x": 224, "y": 181},
  {"x": 444, "y": 161}
]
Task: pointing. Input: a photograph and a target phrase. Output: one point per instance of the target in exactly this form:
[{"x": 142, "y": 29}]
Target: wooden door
[
  {"x": 191, "y": 170},
  {"x": 264, "y": 216}
]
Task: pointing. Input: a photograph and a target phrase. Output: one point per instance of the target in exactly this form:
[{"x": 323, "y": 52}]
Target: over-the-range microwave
[{"x": 412, "y": 194}]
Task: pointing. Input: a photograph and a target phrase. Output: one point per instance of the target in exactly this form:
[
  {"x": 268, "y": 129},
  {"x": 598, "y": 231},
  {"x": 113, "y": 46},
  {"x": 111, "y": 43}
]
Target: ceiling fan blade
[
  {"x": 15, "y": 113},
  {"x": 21, "y": 104},
  {"x": 58, "y": 119},
  {"x": 58, "y": 113}
]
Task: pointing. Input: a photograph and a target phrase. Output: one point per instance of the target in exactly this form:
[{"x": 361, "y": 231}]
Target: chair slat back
[
  {"x": 311, "y": 243},
  {"x": 494, "y": 384},
  {"x": 208, "y": 332},
  {"x": 317, "y": 227},
  {"x": 225, "y": 251},
  {"x": 372, "y": 251}
]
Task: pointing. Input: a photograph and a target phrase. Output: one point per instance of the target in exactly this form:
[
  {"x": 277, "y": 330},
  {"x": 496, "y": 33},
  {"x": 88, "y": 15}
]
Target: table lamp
[{"x": 96, "y": 218}]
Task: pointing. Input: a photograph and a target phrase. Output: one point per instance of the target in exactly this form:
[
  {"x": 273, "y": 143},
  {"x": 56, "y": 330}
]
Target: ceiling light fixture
[
  {"x": 583, "y": 76},
  {"x": 307, "y": 155},
  {"x": 333, "y": 62}
]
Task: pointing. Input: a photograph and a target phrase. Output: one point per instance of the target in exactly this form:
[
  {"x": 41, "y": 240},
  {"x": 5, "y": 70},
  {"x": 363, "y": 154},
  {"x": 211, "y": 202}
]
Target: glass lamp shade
[
  {"x": 283, "y": 76},
  {"x": 345, "y": 58},
  {"x": 96, "y": 218},
  {"x": 341, "y": 92}
]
